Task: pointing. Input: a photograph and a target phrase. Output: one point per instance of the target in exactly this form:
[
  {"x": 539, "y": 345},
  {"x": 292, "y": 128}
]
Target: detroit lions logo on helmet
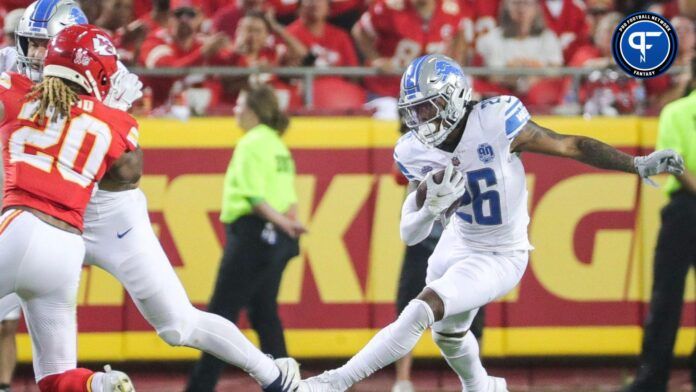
[
  {"x": 443, "y": 69},
  {"x": 77, "y": 16}
]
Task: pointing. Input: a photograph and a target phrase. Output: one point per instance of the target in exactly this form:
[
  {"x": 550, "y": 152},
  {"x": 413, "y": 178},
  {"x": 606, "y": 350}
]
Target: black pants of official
[
  {"x": 249, "y": 277},
  {"x": 675, "y": 254},
  {"x": 412, "y": 281}
]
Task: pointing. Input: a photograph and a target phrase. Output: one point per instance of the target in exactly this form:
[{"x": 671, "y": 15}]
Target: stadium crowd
[{"x": 385, "y": 34}]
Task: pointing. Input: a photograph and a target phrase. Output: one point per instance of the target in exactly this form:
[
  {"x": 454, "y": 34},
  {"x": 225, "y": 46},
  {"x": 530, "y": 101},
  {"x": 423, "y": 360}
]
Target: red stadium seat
[{"x": 337, "y": 94}]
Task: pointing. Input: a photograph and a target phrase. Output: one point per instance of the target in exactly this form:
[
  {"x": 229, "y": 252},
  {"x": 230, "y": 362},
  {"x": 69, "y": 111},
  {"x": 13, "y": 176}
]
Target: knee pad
[
  {"x": 178, "y": 330},
  {"x": 450, "y": 346}
]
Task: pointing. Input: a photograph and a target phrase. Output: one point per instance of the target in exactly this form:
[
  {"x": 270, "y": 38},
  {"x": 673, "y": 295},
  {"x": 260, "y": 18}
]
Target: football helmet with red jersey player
[
  {"x": 59, "y": 139},
  {"x": 85, "y": 55},
  {"x": 80, "y": 138}
]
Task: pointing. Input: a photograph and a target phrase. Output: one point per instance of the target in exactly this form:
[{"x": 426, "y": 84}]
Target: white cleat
[
  {"x": 325, "y": 382},
  {"x": 497, "y": 384},
  {"x": 115, "y": 381},
  {"x": 289, "y": 379},
  {"x": 403, "y": 386}
]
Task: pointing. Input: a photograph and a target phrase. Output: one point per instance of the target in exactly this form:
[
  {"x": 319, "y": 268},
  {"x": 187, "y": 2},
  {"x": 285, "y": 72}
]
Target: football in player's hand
[{"x": 422, "y": 191}]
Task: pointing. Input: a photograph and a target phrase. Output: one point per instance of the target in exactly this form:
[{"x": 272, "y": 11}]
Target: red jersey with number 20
[{"x": 53, "y": 166}]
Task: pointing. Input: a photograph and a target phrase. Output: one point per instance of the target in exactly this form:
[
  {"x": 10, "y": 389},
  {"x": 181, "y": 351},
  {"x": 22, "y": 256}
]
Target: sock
[
  {"x": 462, "y": 354},
  {"x": 391, "y": 343},
  {"x": 275, "y": 386},
  {"x": 75, "y": 380},
  {"x": 96, "y": 382},
  {"x": 220, "y": 337}
]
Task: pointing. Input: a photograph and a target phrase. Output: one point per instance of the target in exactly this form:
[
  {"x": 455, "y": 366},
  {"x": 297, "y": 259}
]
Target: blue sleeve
[
  {"x": 404, "y": 157},
  {"x": 515, "y": 115},
  {"x": 409, "y": 176}
]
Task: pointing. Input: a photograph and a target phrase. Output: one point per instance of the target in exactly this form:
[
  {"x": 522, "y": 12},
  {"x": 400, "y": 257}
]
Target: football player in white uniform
[
  {"x": 119, "y": 238},
  {"x": 483, "y": 251}
]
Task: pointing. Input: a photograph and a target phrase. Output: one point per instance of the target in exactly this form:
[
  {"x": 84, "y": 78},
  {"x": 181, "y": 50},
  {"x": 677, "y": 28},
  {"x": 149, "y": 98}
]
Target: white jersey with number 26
[{"x": 493, "y": 213}]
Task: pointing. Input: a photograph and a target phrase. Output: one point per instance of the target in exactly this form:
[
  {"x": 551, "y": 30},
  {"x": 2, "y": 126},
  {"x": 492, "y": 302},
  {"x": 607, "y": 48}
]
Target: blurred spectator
[
  {"x": 328, "y": 46},
  {"x": 486, "y": 12},
  {"x": 566, "y": 18},
  {"x": 115, "y": 14},
  {"x": 610, "y": 92},
  {"x": 91, "y": 8},
  {"x": 207, "y": 7},
  {"x": 226, "y": 18},
  {"x": 597, "y": 54},
  {"x": 394, "y": 32},
  {"x": 180, "y": 45},
  {"x": 667, "y": 8},
  {"x": 251, "y": 49},
  {"x": 595, "y": 10},
  {"x": 345, "y": 13},
  {"x": 115, "y": 19},
  {"x": 522, "y": 40},
  {"x": 688, "y": 8},
  {"x": 156, "y": 19},
  {"x": 285, "y": 10},
  {"x": 667, "y": 88},
  {"x": 11, "y": 21},
  {"x": 606, "y": 91}
]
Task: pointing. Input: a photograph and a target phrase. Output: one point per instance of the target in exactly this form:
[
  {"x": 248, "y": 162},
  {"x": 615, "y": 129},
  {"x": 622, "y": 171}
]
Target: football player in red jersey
[
  {"x": 119, "y": 239},
  {"x": 59, "y": 139}
]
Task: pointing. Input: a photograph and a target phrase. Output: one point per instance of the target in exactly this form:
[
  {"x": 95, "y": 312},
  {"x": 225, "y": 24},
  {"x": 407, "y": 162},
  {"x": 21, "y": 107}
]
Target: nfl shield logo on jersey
[{"x": 485, "y": 153}]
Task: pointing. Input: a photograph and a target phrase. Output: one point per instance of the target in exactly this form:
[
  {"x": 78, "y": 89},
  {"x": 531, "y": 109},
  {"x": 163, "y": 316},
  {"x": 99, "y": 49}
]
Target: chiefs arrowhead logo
[{"x": 103, "y": 46}]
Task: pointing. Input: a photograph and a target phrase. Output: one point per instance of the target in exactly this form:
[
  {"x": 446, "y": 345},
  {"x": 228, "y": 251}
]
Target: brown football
[{"x": 422, "y": 191}]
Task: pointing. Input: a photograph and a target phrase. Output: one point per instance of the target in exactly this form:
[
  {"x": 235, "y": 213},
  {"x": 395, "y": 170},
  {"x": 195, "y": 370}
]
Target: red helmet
[{"x": 83, "y": 54}]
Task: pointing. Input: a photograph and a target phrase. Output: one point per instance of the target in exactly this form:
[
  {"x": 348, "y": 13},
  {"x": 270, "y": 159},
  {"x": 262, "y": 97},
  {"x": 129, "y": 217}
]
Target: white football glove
[
  {"x": 8, "y": 59},
  {"x": 662, "y": 161},
  {"x": 126, "y": 88},
  {"x": 440, "y": 197}
]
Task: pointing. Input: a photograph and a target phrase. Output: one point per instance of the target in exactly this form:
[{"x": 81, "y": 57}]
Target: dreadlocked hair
[{"x": 53, "y": 93}]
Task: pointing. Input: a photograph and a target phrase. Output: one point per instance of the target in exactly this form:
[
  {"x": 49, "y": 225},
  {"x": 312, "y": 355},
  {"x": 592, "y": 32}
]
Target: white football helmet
[
  {"x": 433, "y": 97},
  {"x": 43, "y": 19}
]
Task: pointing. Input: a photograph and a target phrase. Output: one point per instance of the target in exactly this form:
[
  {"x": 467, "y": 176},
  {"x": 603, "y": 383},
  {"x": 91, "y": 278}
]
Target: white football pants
[{"x": 42, "y": 264}]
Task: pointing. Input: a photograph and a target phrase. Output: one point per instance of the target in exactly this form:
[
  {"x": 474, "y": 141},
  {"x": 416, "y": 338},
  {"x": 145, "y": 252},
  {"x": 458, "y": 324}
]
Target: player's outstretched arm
[{"x": 535, "y": 138}]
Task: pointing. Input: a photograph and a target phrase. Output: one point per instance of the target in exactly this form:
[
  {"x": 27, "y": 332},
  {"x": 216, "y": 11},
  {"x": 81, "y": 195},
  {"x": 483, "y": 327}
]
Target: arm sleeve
[
  {"x": 159, "y": 54},
  {"x": 514, "y": 114},
  {"x": 669, "y": 132},
  {"x": 404, "y": 159},
  {"x": 416, "y": 224},
  {"x": 127, "y": 128},
  {"x": 249, "y": 172},
  {"x": 376, "y": 19}
]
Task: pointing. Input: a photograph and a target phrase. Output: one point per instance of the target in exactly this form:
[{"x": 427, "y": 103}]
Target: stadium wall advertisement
[{"x": 584, "y": 292}]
